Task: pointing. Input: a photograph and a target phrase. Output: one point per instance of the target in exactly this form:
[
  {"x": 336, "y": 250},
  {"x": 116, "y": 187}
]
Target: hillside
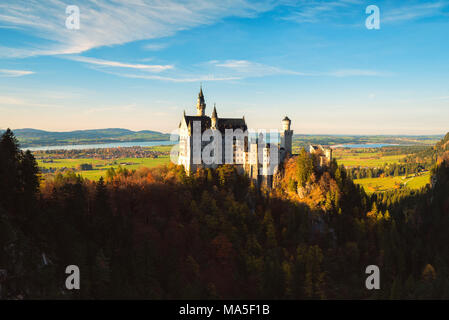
[
  {"x": 442, "y": 148},
  {"x": 432, "y": 155},
  {"x": 219, "y": 237},
  {"x": 34, "y": 138}
]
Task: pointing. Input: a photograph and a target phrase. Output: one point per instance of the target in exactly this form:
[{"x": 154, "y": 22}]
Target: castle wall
[{"x": 259, "y": 163}]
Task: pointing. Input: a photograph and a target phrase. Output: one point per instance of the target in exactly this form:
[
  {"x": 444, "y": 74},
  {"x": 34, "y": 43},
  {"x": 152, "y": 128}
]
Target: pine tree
[
  {"x": 10, "y": 157},
  {"x": 304, "y": 167},
  {"x": 29, "y": 172}
]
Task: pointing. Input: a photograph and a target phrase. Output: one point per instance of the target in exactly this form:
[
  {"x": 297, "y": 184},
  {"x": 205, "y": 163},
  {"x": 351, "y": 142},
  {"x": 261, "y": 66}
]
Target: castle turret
[
  {"x": 286, "y": 123},
  {"x": 214, "y": 118},
  {"x": 286, "y": 136},
  {"x": 201, "y": 105}
]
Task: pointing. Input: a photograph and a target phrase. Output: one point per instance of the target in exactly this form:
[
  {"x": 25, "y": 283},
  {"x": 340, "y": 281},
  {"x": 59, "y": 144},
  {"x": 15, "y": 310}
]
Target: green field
[
  {"x": 389, "y": 183},
  {"x": 372, "y": 158},
  {"x": 355, "y": 158},
  {"x": 348, "y": 157},
  {"x": 100, "y": 166}
]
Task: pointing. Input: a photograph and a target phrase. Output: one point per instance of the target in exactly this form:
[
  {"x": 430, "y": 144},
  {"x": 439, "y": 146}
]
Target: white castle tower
[{"x": 286, "y": 137}]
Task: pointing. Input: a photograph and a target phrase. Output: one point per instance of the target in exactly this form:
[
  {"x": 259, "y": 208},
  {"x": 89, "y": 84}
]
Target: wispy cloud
[
  {"x": 215, "y": 70},
  {"x": 357, "y": 73},
  {"x": 349, "y": 11},
  {"x": 180, "y": 78},
  {"x": 20, "y": 102},
  {"x": 305, "y": 11},
  {"x": 155, "y": 46},
  {"x": 113, "y": 22},
  {"x": 116, "y": 64},
  {"x": 231, "y": 70},
  {"x": 410, "y": 12},
  {"x": 14, "y": 73},
  {"x": 245, "y": 68}
]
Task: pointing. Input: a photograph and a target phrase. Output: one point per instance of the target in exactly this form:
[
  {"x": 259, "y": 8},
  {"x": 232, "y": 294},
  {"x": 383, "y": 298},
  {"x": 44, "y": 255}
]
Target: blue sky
[{"x": 138, "y": 64}]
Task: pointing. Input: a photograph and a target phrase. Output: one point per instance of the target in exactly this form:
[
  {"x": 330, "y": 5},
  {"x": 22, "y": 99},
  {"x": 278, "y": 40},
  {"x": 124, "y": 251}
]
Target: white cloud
[
  {"x": 108, "y": 63},
  {"x": 305, "y": 11},
  {"x": 215, "y": 70},
  {"x": 249, "y": 69},
  {"x": 230, "y": 70},
  {"x": 20, "y": 102},
  {"x": 14, "y": 73},
  {"x": 357, "y": 73},
  {"x": 155, "y": 46},
  {"x": 180, "y": 78},
  {"x": 410, "y": 12},
  {"x": 112, "y": 22}
]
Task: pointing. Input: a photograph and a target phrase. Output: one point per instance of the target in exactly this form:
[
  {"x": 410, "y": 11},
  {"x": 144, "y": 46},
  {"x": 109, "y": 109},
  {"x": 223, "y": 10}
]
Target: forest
[{"x": 156, "y": 233}]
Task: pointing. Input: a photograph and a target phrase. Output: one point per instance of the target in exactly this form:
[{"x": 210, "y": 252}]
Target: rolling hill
[{"x": 33, "y": 137}]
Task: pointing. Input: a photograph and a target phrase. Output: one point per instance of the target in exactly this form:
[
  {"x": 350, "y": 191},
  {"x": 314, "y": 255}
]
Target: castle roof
[
  {"x": 222, "y": 123},
  {"x": 231, "y": 123},
  {"x": 319, "y": 147},
  {"x": 204, "y": 120}
]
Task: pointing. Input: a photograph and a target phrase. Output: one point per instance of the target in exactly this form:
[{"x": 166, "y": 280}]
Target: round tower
[
  {"x": 286, "y": 136},
  {"x": 286, "y": 122}
]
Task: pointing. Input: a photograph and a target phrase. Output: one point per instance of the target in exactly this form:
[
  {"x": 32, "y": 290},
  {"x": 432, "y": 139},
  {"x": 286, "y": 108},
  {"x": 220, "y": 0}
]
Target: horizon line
[{"x": 300, "y": 134}]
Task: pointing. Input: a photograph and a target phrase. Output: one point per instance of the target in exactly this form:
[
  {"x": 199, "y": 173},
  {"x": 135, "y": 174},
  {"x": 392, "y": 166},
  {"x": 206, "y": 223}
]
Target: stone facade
[
  {"x": 323, "y": 155},
  {"x": 250, "y": 153}
]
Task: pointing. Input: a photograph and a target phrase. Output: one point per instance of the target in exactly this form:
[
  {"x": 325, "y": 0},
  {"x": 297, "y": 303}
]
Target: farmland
[
  {"x": 390, "y": 183},
  {"x": 382, "y": 158},
  {"x": 93, "y": 164},
  {"x": 100, "y": 161},
  {"x": 366, "y": 157}
]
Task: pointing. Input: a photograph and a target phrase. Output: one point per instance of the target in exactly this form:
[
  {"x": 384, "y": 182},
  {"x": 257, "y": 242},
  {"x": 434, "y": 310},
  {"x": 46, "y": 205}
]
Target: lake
[
  {"x": 366, "y": 145},
  {"x": 103, "y": 145},
  {"x": 165, "y": 143}
]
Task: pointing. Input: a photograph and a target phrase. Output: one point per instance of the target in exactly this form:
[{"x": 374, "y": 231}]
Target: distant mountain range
[
  {"x": 37, "y": 138},
  {"x": 34, "y": 138}
]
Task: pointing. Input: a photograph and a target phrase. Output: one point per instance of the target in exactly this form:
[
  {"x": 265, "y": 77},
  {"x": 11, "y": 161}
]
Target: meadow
[
  {"x": 365, "y": 157},
  {"x": 99, "y": 166},
  {"x": 383, "y": 184},
  {"x": 375, "y": 158},
  {"x": 370, "y": 158}
]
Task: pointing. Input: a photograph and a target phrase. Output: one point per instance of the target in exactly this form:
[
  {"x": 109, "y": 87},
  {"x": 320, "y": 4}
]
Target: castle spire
[
  {"x": 201, "y": 104},
  {"x": 214, "y": 118},
  {"x": 214, "y": 113}
]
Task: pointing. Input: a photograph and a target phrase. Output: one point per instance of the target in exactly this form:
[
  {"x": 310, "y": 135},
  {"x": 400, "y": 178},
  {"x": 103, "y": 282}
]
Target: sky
[{"x": 138, "y": 64}]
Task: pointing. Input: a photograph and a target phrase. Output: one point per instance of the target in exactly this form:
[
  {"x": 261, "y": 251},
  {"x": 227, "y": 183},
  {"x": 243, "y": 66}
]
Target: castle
[
  {"x": 322, "y": 154},
  {"x": 252, "y": 154},
  {"x": 249, "y": 152}
]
